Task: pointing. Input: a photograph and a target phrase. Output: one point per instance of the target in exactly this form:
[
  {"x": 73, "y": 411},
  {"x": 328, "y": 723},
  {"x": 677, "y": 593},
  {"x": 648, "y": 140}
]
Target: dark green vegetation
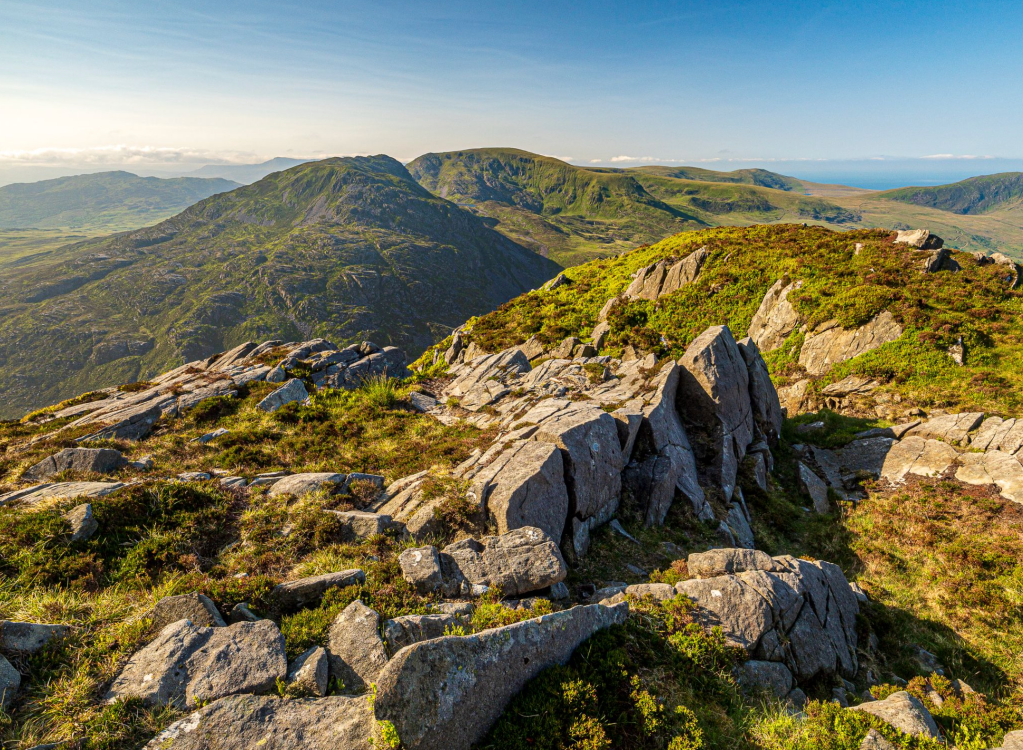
[
  {"x": 107, "y": 200},
  {"x": 976, "y": 195},
  {"x": 935, "y": 309},
  {"x": 348, "y": 249}
]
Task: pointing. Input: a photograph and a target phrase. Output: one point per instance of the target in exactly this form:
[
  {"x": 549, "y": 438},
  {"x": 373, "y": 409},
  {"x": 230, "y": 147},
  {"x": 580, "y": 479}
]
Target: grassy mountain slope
[
  {"x": 758, "y": 177},
  {"x": 976, "y": 195},
  {"x": 349, "y": 249},
  {"x": 942, "y": 566},
  {"x": 935, "y": 309},
  {"x": 564, "y": 212},
  {"x": 111, "y": 200}
]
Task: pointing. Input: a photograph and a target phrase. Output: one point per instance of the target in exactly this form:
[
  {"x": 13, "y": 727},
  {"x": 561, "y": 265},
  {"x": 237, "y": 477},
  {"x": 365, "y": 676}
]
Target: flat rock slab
[
  {"x": 831, "y": 344},
  {"x": 917, "y": 455},
  {"x": 446, "y": 693},
  {"x": 61, "y": 491},
  {"x": 243, "y": 722},
  {"x": 98, "y": 460},
  {"x": 904, "y": 712},
  {"x": 28, "y": 637},
  {"x": 307, "y": 591},
  {"x": 302, "y": 484},
  {"x": 993, "y": 467},
  {"x": 950, "y": 428},
  {"x": 187, "y": 664},
  {"x": 718, "y": 562}
]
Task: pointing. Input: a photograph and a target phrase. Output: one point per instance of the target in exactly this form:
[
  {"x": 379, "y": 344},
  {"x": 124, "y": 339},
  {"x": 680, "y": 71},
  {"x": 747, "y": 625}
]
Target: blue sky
[{"x": 813, "y": 88}]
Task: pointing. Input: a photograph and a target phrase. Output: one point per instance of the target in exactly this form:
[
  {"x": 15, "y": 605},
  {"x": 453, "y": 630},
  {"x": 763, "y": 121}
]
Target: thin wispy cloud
[{"x": 123, "y": 154}]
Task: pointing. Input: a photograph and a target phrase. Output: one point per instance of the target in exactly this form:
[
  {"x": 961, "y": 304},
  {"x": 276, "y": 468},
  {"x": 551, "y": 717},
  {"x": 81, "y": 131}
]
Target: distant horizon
[{"x": 870, "y": 174}]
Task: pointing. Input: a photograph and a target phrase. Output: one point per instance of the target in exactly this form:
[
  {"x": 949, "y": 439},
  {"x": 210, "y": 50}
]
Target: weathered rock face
[
  {"x": 83, "y": 523},
  {"x": 187, "y": 664},
  {"x": 800, "y": 614},
  {"x": 993, "y": 467},
  {"x": 905, "y": 713},
  {"x": 665, "y": 276},
  {"x": 588, "y": 439},
  {"x": 950, "y": 428},
  {"x": 776, "y": 318},
  {"x": 516, "y": 563},
  {"x": 420, "y": 566},
  {"x": 714, "y": 401},
  {"x": 292, "y": 390},
  {"x": 762, "y": 395},
  {"x": 195, "y": 607},
  {"x": 524, "y": 486},
  {"x": 357, "y": 652},
  {"x": 446, "y": 693},
  {"x": 771, "y": 677},
  {"x": 830, "y": 343},
  {"x": 242, "y": 722},
  {"x": 304, "y": 592},
  {"x": 408, "y": 629},
  {"x": 97, "y": 460}
]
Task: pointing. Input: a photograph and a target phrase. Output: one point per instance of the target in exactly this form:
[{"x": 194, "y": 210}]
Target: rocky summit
[{"x": 743, "y": 488}]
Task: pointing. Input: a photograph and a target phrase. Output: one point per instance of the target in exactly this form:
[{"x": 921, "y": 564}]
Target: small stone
[
  {"x": 559, "y": 591},
  {"x": 303, "y": 484},
  {"x": 83, "y": 524},
  {"x": 209, "y": 436},
  {"x": 904, "y": 712},
  {"x": 28, "y": 637},
  {"x": 241, "y": 613},
  {"x": 309, "y": 671}
]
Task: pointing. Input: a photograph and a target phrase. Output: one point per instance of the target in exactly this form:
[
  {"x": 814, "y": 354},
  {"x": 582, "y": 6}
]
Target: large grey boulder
[
  {"x": 1013, "y": 740},
  {"x": 243, "y": 722},
  {"x": 293, "y": 390},
  {"x": 446, "y": 693},
  {"x": 189, "y": 664},
  {"x": 302, "y": 484},
  {"x": 719, "y": 562},
  {"x": 714, "y": 402},
  {"x": 588, "y": 439},
  {"x": 830, "y": 344},
  {"x": 28, "y": 637},
  {"x": 96, "y": 460},
  {"x": 762, "y": 394},
  {"x": 356, "y": 650},
  {"x": 904, "y": 712},
  {"x": 524, "y": 486},
  {"x": 304, "y": 592},
  {"x": 10, "y": 683},
  {"x": 420, "y": 566},
  {"x": 515, "y": 563},
  {"x": 776, "y": 318},
  {"x": 194, "y": 606}
]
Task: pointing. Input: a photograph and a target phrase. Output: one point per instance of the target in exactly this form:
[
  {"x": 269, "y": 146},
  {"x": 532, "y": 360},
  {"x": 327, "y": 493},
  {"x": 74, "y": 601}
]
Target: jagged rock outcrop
[
  {"x": 714, "y": 400},
  {"x": 830, "y": 344},
  {"x": 242, "y": 722},
  {"x": 667, "y": 276},
  {"x": 446, "y": 693},
  {"x": 188, "y": 664},
  {"x": 800, "y": 614},
  {"x": 776, "y": 318},
  {"x": 767, "y": 414}
]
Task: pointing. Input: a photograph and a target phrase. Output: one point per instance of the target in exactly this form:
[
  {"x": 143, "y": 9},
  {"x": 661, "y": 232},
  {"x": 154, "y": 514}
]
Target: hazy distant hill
[
  {"x": 349, "y": 249},
  {"x": 976, "y": 195},
  {"x": 111, "y": 200},
  {"x": 758, "y": 177},
  {"x": 248, "y": 173}
]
